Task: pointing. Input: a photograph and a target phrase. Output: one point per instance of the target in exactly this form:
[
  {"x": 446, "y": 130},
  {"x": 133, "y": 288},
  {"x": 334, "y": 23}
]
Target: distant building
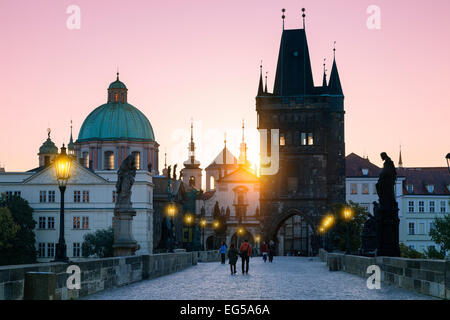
[
  {"x": 422, "y": 195},
  {"x": 108, "y": 135}
]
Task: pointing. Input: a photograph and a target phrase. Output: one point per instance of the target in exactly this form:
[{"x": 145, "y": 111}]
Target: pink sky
[{"x": 200, "y": 59}]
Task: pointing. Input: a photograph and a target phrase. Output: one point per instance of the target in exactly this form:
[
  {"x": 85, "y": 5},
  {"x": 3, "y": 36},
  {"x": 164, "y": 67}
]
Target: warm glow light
[
  {"x": 241, "y": 230},
  {"x": 216, "y": 224},
  {"x": 203, "y": 223},
  {"x": 347, "y": 213},
  {"x": 326, "y": 223},
  {"x": 63, "y": 164},
  {"x": 257, "y": 238},
  {"x": 189, "y": 219},
  {"x": 171, "y": 210}
]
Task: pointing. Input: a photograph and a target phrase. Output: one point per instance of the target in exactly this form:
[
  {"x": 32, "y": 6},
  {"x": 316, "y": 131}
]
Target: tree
[
  {"x": 359, "y": 216},
  {"x": 22, "y": 250},
  {"x": 99, "y": 243},
  {"x": 441, "y": 232},
  {"x": 8, "y": 229},
  {"x": 407, "y": 252},
  {"x": 432, "y": 253}
]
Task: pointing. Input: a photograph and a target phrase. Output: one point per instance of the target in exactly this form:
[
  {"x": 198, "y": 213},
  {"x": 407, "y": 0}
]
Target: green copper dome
[
  {"x": 116, "y": 121},
  {"x": 117, "y": 85},
  {"x": 48, "y": 147}
]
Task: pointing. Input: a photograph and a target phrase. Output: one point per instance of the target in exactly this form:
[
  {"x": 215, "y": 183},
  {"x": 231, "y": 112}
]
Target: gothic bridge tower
[{"x": 310, "y": 119}]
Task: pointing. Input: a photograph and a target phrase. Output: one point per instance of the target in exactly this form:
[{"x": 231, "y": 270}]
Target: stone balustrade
[
  {"x": 19, "y": 281},
  {"x": 425, "y": 276}
]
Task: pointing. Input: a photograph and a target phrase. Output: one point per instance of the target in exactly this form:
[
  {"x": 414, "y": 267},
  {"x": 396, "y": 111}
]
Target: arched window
[
  {"x": 86, "y": 159},
  {"x": 137, "y": 159},
  {"x": 116, "y": 97},
  {"x": 192, "y": 181},
  {"x": 211, "y": 182},
  {"x": 121, "y": 97},
  {"x": 109, "y": 160}
]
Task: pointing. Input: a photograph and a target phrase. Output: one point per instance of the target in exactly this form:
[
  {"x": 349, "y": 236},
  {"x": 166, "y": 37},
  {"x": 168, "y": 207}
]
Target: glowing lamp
[{"x": 63, "y": 163}]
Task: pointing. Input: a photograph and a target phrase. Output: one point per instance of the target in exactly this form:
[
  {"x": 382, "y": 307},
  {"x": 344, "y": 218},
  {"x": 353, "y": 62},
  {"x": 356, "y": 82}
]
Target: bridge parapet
[{"x": 425, "y": 276}]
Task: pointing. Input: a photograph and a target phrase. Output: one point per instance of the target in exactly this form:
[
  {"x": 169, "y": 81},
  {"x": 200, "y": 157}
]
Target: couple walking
[
  {"x": 245, "y": 251},
  {"x": 270, "y": 250}
]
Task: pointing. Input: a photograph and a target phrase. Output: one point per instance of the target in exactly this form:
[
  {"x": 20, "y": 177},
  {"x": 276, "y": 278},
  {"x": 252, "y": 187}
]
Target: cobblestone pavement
[{"x": 287, "y": 278}]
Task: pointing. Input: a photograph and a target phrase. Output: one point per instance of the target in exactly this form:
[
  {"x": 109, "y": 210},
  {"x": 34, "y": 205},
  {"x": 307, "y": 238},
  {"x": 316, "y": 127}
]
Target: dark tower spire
[
  {"x": 260, "y": 86},
  {"x": 265, "y": 89},
  {"x": 224, "y": 153},
  {"x": 303, "y": 16},
  {"x": 283, "y": 16},
  {"x": 335, "y": 83},
  {"x": 400, "y": 162},
  {"x": 324, "y": 82}
]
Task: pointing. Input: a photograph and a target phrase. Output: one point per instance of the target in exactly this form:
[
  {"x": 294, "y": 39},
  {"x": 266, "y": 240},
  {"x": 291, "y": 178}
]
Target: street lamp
[
  {"x": 203, "y": 225},
  {"x": 348, "y": 216},
  {"x": 63, "y": 164},
  {"x": 171, "y": 211},
  {"x": 188, "y": 220},
  {"x": 326, "y": 224},
  {"x": 216, "y": 225},
  {"x": 448, "y": 161}
]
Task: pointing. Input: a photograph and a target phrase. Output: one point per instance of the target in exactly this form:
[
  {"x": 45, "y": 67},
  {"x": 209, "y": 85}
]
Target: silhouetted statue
[
  {"x": 149, "y": 167},
  {"x": 386, "y": 212},
  {"x": 125, "y": 180},
  {"x": 174, "y": 172},
  {"x": 369, "y": 236},
  {"x": 169, "y": 168},
  {"x": 386, "y": 183}
]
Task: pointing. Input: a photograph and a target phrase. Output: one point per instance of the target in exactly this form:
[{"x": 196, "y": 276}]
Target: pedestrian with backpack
[{"x": 246, "y": 252}]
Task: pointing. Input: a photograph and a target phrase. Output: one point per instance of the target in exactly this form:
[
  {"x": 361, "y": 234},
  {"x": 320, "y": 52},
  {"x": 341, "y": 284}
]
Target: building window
[
  {"x": 41, "y": 222},
  {"x": 432, "y": 226},
  {"x": 409, "y": 188},
  {"x": 282, "y": 141},
  {"x": 410, "y": 206},
  {"x": 51, "y": 223},
  {"x": 114, "y": 196},
  {"x": 76, "y": 196},
  {"x": 76, "y": 222},
  {"x": 353, "y": 188},
  {"x": 50, "y": 249},
  {"x": 41, "y": 251},
  {"x": 421, "y": 228},
  {"x": 76, "y": 249},
  {"x": 137, "y": 159},
  {"x": 42, "y": 196},
  {"x": 121, "y": 97},
  {"x": 109, "y": 160},
  {"x": 442, "y": 209},
  {"x": 17, "y": 193},
  {"x": 411, "y": 246},
  {"x": 432, "y": 209},
  {"x": 116, "y": 97},
  {"x": 411, "y": 228},
  {"x": 365, "y": 188},
  {"x": 365, "y": 171},
  {"x": 430, "y": 188},
  {"x": 310, "y": 139},
  {"x": 421, "y": 206},
  {"x": 51, "y": 196},
  {"x": 211, "y": 182},
  {"x": 86, "y": 159},
  {"x": 192, "y": 181},
  {"x": 85, "y": 222},
  {"x": 85, "y": 196}
]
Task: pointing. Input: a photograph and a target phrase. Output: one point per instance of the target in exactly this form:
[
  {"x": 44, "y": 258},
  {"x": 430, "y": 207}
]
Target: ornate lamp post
[
  {"x": 171, "y": 211},
  {"x": 448, "y": 161},
  {"x": 203, "y": 225},
  {"x": 326, "y": 224},
  {"x": 188, "y": 219},
  {"x": 63, "y": 164},
  {"x": 216, "y": 225},
  {"x": 348, "y": 216}
]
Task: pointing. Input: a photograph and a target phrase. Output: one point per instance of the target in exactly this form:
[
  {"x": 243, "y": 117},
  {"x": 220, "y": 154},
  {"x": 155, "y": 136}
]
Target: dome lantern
[{"x": 117, "y": 91}]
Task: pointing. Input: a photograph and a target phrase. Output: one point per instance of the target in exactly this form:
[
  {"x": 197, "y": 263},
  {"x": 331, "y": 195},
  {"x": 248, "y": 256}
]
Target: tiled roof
[
  {"x": 419, "y": 178},
  {"x": 354, "y": 165}
]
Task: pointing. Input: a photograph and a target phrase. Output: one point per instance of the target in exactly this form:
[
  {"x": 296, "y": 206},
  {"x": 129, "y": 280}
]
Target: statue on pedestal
[
  {"x": 386, "y": 212},
  {"x": 124, "y": 242}
]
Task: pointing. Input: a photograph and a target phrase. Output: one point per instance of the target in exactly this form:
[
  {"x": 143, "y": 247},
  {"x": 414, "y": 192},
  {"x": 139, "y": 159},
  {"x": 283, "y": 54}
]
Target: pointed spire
[
  {"x": 260, "y": 87},
  {"x": 283, "y": 16},
  {"x": 265, "y": 89},
  {"x": 243, "y": 148},
  {"x": 335, "y": 82},
  {"x": 303, "y": 16},
  {"x": 165, "y": 160},
  {"x": 71, "y": 146},
  {"x": 400, "y": 162},
  {"x": 224, "y": 153},
  {"x": 324, "y": 82}
]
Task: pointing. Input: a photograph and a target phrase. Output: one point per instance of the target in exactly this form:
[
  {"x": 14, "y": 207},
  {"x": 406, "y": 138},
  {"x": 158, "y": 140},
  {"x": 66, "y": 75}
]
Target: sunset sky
[{"x": 183, "y": 59}]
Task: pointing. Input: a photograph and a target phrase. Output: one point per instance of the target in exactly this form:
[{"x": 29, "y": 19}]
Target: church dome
[
  {"x": 116, "y": 119},
  {"x": 48, "y": 147}
]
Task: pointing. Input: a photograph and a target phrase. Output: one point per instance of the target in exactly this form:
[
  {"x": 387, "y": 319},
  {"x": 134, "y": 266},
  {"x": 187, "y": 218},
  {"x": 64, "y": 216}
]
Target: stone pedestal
[
  {"x": 39, "y": 286},
  {"x": 387, "y": 231},
  {"x": 124, "y": 242}
]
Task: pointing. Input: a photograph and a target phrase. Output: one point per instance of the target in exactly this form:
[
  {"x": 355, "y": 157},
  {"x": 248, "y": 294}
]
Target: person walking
[
  {"x": 223, "y": 251},
  {"x": 233, "y": 254},
  {"x": 264, "y": 251},
  {"x": 246, "y": 252},
  {"x": 271, "y": 250}
]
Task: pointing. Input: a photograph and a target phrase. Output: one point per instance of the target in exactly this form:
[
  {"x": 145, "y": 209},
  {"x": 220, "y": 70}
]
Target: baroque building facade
[{"x": 108, "y": 135}]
